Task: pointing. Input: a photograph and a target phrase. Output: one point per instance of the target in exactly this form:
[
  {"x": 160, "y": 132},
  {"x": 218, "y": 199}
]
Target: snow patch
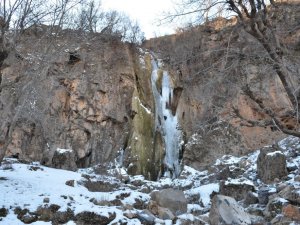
[
  {"x": 62, "y": 151},
  {"x": 274, "y": 153}
]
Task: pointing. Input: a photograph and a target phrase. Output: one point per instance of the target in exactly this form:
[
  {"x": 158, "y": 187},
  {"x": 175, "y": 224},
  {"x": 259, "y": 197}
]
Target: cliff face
[
  {"x": 69, "y": 92},
  {"x": 92, "y": 94},
  {"x": 212, "y": 64}
]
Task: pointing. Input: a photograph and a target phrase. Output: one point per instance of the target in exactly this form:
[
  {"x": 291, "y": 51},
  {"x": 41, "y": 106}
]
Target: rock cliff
[{"x": 91, "y": 94}]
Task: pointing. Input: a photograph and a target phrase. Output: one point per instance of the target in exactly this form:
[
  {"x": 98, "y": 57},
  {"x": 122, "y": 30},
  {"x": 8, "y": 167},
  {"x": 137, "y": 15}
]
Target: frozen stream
[{"x": 165, "y": 122}]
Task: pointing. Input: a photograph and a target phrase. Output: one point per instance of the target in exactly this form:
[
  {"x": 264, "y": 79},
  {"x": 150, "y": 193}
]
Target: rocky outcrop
[
  {"x": 171, "y": 199},
  {"x": 271, "y": 164},
  {"x": 225, "y": 210},
  {"x": 50, "y": 101},
  {"x": 92, "y": 94},
  {"x": 64, "y": 159},
  {"x": 236, "y": 189},
  {"x": 212, "y": 64}
]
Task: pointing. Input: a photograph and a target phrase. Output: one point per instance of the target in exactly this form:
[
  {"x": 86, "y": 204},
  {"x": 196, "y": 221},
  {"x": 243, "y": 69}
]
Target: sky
[{"x": 146, "y": 12}]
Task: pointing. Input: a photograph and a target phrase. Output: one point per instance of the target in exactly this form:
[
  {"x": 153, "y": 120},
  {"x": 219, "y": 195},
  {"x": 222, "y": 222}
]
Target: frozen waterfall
[{"x": 165, "y": 122}]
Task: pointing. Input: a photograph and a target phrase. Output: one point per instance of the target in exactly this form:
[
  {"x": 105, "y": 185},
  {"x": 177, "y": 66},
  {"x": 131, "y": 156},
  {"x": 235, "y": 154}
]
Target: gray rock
[
  {"x": 274, "y": 207},
  {"x": 263, "y": 195},
  {"x": 225, "y": 210},
  {"x": 237, "y": 191},
  {"x": 291, "y": 194},
  {"x": 62, "y": 217},
  {"x": 171, "y": 199},
  {"x": 146, "y": 217},
  {"x": 98, "y": 185},
  {"x": 70, "y": 183},
  {"x": 251, "y": 198},
  {"x": 271, "y": 164},
  {"x": 64, "y": 159},
  {"x": 92, "y": 218}
]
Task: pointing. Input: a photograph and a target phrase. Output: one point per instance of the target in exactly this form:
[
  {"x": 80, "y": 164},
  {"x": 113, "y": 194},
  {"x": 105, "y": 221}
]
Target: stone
[
  {"x": 146, "y": 217},
  {"x": 46, "y": 200},
  {"x": 171, "y": 199},
  {"x": 70, "y": 183},
  {"x": 280, "y": 187},
  {"x": 263, "y": 195},
  {"x": 130, "y": 214},
  {"x": 189, "y": 221},
  {"x": 236, "y": 190},
  {"x": 161, "y": 212},
  {"x": 3, "y": 212},
  {"x": 63, "y": 217},
  {"x": 165, "y": 214},
  {"x": 92, "y": 218},
  {"x": 271, "y": 165},
  {"x": 297, "y": 178},
  {"x": 225, "y": 210},
  {"x": 254, "y": 210},
  {"x": 251, "y": 198},
  {"x": 64, "y": 159},
  {"x": 292, "y": 212},
  {"x": 274, "y": 207},
  {"x": 139, "y": 204},
  {"x": 99, "y": 186},
  {"x": 291, "y": 194}
]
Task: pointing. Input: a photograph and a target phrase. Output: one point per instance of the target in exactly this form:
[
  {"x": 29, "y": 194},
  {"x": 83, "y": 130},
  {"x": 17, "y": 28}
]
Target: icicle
[{"x": 165, "y": 122}]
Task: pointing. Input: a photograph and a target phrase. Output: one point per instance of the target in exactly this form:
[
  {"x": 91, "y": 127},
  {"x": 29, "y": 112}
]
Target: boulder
[
  {"x": 225, "y": 210},
  {"x": 161, "y": 212},
  {"x": 64, "y": 159},
  {"x": 94, "y": 185},
  {"x": 70, "y": 183},
  {"x": 291, "y": 194},
  {"x": 171, "y": 199},
  {"x": 263, "y": 195},
  {"x": 3, "y": 212},
  {"x": 274, "y": 207},
  {"x": 251, "y": 198},
  {"x": 62, "y": 217},
  {"x": 146, "y": 217},
  {"x": 270, "y": 165},
  {"x": 236, "y": 189},
  {"x": 92, "y": 218},
  {"x": 291, "y": 212}
]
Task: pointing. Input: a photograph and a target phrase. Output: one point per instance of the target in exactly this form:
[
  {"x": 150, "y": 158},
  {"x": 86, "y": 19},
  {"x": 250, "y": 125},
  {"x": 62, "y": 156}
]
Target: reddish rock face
[
  {"x": 292, "y": 212},
  {"x": 212, "y": 63},
  {"x": 77, "y": 92},
  {"x": 49, "y": 103}
]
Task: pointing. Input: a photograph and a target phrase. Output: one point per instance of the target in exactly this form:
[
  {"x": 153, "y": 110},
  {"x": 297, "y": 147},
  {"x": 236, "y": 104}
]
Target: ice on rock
[{"x": 165, "y": 122}]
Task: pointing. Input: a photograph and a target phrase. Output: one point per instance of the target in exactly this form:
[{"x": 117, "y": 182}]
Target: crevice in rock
[
  {"x": 3, "y": 56},
  {"x": 176, "y": 96},
  {"x": 74, "y": 57},
  {"x": 85, "y": 161}
]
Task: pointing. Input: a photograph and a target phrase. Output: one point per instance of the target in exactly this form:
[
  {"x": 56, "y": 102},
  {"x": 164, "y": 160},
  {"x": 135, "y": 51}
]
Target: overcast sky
[{"x": 146, "y": 12}]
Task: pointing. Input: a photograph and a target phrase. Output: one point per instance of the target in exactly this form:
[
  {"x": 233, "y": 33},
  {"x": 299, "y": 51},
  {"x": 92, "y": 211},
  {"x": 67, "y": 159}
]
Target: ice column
[{"x": 165, "y": 122}]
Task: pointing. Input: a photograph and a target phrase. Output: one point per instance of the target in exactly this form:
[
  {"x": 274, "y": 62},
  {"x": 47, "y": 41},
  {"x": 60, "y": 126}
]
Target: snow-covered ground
[
  {"x": 30, "y": 186},
  {"x": 33, "y": 186}
]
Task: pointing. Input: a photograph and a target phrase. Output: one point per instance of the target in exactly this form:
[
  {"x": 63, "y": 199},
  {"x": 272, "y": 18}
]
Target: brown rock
[
  {"x": 64, "y": 159},
  {"x": 271, "y": 164},
  {"x": 291, "y": 194},
  {"x": 171, "y": 199},
  {"x": 292, "y": 212},
  {"x": 237, "y": 191},
  {"x": 92, "y": 218},
  {"x": 225, "y": 210},
  {"x": 70, "y": 183}
]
